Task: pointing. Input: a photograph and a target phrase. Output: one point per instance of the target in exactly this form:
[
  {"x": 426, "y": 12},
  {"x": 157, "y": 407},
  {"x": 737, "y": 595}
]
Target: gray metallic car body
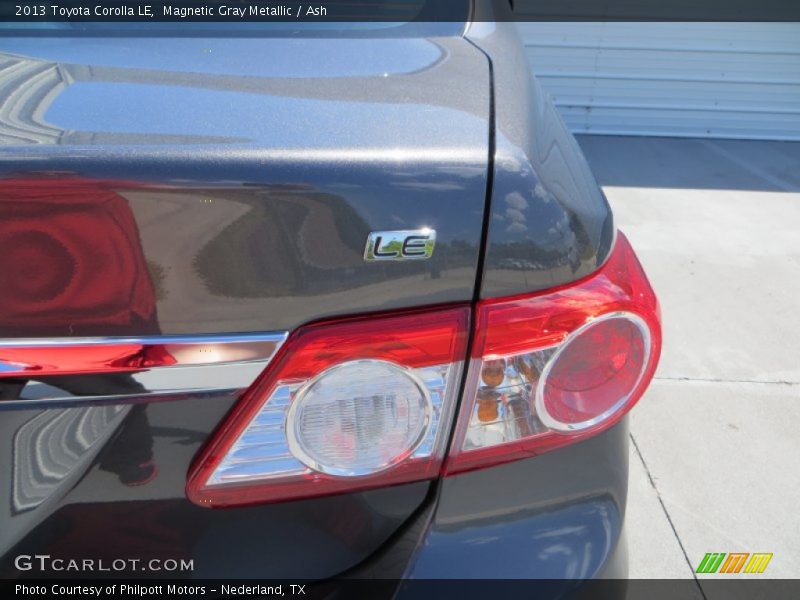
[{"x": 254, "y": 184}]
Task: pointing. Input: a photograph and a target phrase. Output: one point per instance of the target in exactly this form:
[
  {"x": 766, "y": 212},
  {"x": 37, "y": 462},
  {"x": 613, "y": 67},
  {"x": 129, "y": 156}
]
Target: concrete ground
[{"x": 715, "y": 458}]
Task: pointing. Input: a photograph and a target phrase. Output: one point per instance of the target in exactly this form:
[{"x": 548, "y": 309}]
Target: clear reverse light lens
[
  {"x": 355, "y": 419},
  {"x": 359, "y": 418},
  {"x": 347, "y": 406}
]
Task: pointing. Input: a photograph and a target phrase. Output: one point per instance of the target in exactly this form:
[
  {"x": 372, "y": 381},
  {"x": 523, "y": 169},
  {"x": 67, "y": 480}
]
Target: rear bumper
[
  {"x": 580, "y": 541},
  {"x": 558, "y": 516}
]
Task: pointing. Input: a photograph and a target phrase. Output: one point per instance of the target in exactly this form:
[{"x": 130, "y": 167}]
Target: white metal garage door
[{"x": 725, "y": 80}]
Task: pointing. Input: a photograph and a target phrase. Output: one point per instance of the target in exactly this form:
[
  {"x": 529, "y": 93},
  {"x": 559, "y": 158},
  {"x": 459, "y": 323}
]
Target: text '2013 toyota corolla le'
[{"x": 309, "y": 304}]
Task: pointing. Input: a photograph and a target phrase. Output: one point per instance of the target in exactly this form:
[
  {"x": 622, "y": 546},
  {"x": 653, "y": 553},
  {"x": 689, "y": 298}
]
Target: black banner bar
[
  {"x": 244, "y": 13},
  {"x": 743, "y": 587}
]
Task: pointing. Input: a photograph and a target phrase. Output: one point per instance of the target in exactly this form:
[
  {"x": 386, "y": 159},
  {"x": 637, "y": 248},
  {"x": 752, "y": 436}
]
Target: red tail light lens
[
  {"x": 368, "y": 402},
  {"x": 593, "y": 372},
  {"x": 346, "y": 405},
  {"x": 552, "y": 368}
]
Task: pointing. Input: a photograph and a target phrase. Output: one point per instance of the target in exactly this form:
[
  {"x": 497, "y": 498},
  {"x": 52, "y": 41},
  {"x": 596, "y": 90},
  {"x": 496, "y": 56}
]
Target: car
[{"x": 322, "y": 303}]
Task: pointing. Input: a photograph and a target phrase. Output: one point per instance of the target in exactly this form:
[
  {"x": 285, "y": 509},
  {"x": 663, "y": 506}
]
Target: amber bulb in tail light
[
  {"x": 493, "y": 372},
  {"x": 488, "y": 407},
  {"x": 575, "y": 361}
]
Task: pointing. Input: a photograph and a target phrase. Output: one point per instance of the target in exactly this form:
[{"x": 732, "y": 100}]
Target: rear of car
[{"x": 308, "y": 306}]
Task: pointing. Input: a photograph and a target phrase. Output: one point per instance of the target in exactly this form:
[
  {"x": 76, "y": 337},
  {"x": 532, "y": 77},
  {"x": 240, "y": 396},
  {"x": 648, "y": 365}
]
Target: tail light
[
  {"x": 363, "y": 403},
  {"x": 550, "y": 369},
  {"x": 345, "y": 406}
]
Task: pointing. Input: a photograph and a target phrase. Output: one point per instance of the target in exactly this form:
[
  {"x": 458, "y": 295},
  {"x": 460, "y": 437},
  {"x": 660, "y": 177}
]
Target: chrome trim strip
[
  {"x": 202, "y": 365},
  {"x": 151, "y": 340}
]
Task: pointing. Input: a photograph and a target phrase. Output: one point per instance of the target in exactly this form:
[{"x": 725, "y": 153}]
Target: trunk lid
[{"x": 179, "y": 186}]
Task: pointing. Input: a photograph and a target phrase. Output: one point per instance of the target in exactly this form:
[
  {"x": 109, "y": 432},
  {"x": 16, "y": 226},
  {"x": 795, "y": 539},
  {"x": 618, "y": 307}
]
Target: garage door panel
[
  {"x": 677, "y": 123},
  {"x": 685, "y": 79},
  {"x": 653, "y": 64},
  {"x": 569, "y": 91}
]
